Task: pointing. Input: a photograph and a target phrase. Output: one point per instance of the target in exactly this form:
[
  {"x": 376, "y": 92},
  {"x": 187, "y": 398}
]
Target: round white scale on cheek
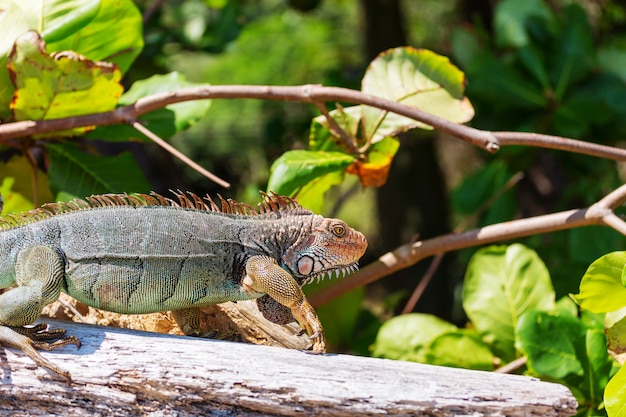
[{"x": 307, "y": 265}]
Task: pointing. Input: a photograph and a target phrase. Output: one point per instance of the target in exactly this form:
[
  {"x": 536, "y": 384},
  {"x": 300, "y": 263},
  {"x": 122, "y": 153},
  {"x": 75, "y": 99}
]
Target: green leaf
[
  {"x": 466, "y": 46},
  {"x": 99, "y": 41},
  {"x": 494, "y": 80},
  {"x": 51, "y": 18},
  {"x": 613, "y": 59},
  {"x": 293, "y": 169},
  {"x": 501, "y": 284},
  {"x": 575, "y": 61},
  {"x": 408, "y": 336},
  {"x": 615, "y": 394},
  {"x": 601, "y": 288},
  {"x": 548, "y": 340},
  {"x": 532, "y": 59},
  {"x": 12, "y": 201},
  {"x": 481, "y": 186},
  {"x": 511, "y": 17},
  {"x": 460, "y": 349},
  {"x": 598, "y": 365},
  {"x": 164, "y": 122},
  {"x": 561, "y": 347},
  {"x": 320, "y": 138},
  {"x": 55, "y": 86},
  {"x": 416, "y": 78},
  {"x": 615, "y": 324},
  {"x": 81, "y": 174},
  {"x": 311, "y": 195},
  {"x": 373, "y": 171}
]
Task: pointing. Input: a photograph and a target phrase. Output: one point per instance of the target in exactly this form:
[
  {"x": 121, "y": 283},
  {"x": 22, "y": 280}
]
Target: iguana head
[{"x": 329, "y": 248}]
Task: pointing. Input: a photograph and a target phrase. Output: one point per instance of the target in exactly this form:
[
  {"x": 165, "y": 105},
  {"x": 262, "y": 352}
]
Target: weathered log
[{"x": 129, "y": 372}]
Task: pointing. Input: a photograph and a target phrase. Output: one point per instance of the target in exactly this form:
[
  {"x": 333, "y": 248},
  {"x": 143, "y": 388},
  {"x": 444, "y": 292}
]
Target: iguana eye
[{"x": 339, "y": 230}]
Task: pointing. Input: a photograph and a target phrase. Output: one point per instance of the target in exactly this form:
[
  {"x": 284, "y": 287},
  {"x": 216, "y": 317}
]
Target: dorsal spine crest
[{"x": 271, "y": 203}]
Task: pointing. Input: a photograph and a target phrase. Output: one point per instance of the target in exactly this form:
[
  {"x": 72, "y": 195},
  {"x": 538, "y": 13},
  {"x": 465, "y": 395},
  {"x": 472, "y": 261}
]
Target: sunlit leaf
[
  {"x": 53, "y": 19},
  {"x": 294, "y": 169},
  {"x": 501, "y": 284},
  {"x": 460, "y": 349},
  {"x": 59, "y": 85},
  {"x": 615, "y": 394},
  {"x": 408, "y": 336},
  {"x": 416, "y": 78},
  {"x": 80, "y": 174},
  {"x": 601, "y": 288},
  {"x": 12, "y": 201},
  {"x": 96, "y": 41},
  {"x": 311, "y": 195},
  {"x": 548, "y": 340},
  {"x": 374, "y": 169}
]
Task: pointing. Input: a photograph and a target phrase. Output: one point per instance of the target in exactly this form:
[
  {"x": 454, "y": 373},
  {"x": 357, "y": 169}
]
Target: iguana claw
[{"x": 29, "y": 339}]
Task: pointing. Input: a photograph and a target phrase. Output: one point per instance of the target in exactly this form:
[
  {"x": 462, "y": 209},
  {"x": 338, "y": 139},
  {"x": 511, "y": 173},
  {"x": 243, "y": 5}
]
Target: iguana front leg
[
  {"x": 39, "y": 273},
  {"x": 263, "y": 274}
]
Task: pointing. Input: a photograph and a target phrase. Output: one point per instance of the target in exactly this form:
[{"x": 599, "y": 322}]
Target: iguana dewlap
[{"x": 146, "y": 253}]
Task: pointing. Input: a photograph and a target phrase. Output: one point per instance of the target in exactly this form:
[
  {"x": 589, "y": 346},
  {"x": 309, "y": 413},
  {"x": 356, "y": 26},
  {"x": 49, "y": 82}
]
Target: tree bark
[{"x": 128, "y": 372}]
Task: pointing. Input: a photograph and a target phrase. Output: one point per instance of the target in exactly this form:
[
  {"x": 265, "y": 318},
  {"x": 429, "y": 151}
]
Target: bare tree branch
[
  {"x": 490, "y": 141},
  {"x": 409, "y": 254}
]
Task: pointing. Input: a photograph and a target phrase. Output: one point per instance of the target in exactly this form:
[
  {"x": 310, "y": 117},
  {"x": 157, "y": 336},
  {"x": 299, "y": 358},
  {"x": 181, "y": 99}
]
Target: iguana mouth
[{"x": 338, "y": 272}]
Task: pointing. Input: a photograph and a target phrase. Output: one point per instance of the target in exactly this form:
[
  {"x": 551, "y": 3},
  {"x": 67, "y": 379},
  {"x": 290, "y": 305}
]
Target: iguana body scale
[{"x": 146, "y": 253}]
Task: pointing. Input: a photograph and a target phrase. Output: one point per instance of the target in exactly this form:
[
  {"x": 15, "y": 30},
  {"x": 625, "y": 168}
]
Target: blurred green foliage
[{"x": 543, "y": 69}]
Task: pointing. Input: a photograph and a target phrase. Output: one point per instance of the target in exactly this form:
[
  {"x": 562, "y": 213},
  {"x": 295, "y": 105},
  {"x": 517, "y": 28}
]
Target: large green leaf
[
  {"x": 562, "y": 347},
  {"x": 601, "y": 288},
  {"x": 62, "y": 85},
  {"x": 81, "y": 174},
  {"x": 52, "y": 18},
  {"x": 311, "y": 195},
  {"x": 501, "y": 284},
  {"x": 407, "y": 337},
  {"x": 615, "y": 394},
  {"x": 460, "y": 349},
  {"x": 549, "y": 341},
  {"x": 164, "y": 122},
  {"x": 416, "y": 78},
  {"x": 114, "y": 35},
  {"x": 294, "y": 169}
]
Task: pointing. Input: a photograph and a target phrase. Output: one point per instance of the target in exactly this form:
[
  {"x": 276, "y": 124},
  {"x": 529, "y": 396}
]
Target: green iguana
[{"x": 146, "y": 253}]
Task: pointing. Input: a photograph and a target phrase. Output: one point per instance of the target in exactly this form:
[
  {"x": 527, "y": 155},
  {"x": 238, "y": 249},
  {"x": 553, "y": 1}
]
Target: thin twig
[
  {"x": 150, "y": 10},
  {"x": 421, "y": 287},
  {"x": 175, "y": 152},
  {"x": 73, "y": 310},
  {"x": 512, "y": 366}
]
